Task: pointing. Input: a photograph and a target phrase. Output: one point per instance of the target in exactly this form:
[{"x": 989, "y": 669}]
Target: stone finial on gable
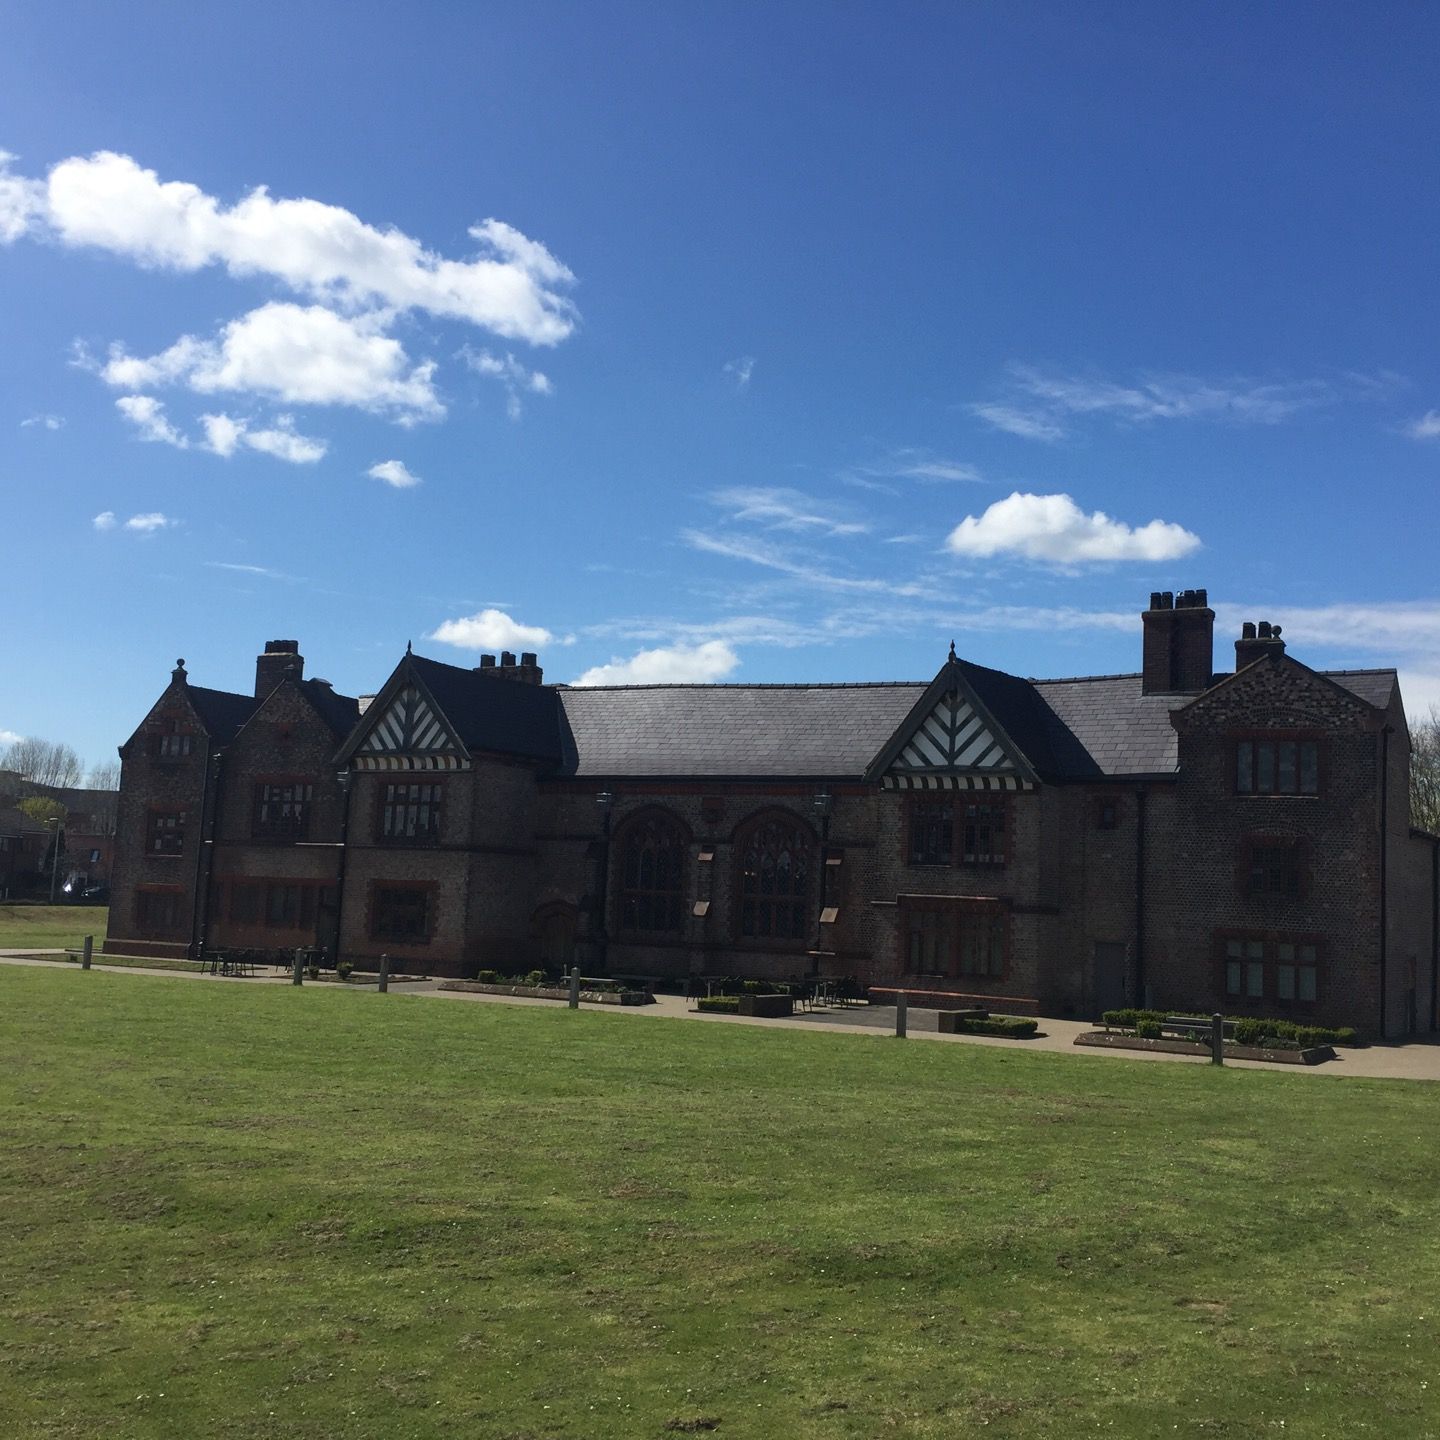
[{"x": 178, "y": 675}]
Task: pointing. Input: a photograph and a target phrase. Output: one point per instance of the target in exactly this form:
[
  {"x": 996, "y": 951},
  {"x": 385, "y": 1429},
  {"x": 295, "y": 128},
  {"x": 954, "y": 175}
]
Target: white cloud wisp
[{"x": 394, "y": 474}]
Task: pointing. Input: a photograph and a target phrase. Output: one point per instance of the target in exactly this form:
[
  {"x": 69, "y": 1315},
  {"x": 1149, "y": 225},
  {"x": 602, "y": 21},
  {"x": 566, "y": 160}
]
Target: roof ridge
[
  {"x": 755, "y": 685},
  {"x": 1082, "y": 679}
]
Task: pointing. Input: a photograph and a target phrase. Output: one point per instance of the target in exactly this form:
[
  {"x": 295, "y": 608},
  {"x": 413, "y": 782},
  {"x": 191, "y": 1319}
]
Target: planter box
[
  {"x": 949, "y": 1020},
  {"x": 1109, "y": 1040},
  {"x": 771, "y": 1007},
  {"x": 551, "y": 992}
]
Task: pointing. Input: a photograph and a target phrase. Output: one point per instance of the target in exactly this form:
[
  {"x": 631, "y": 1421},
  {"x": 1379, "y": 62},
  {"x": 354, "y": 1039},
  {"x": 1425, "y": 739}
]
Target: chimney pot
[
  {"x": 487, "y": 662},
  {"x": 1154, "y": 603},
  {"x": 1264, "y": 629},
  {"x": 507, "y": 657},
  {"x": 1247, "y": 630},
  {"x": 529, "y": 657},
  {"x": 1167, "y": 600}
]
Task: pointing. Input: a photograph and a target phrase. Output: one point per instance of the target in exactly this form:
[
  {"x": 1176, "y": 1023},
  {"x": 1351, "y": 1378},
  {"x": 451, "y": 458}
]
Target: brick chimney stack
[
  {"x": 1179, "y": 643},
  {"x": 527, "y": 672},
  {"x": 281, "y": 658},
  {"x": 1257, "y": 642}
]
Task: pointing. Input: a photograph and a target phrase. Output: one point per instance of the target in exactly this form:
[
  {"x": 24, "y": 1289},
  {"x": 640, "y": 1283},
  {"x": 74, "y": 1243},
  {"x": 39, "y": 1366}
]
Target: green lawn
[
  {"x": 47, "y": 927},
  {"x": 245, "y": 1212}
]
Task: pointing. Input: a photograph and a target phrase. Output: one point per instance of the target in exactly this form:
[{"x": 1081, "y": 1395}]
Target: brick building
[{"x": 1176, "y": 837}]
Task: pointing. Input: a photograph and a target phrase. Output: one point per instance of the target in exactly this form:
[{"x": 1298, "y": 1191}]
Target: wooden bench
[{"x": 1188, "y": 1027}]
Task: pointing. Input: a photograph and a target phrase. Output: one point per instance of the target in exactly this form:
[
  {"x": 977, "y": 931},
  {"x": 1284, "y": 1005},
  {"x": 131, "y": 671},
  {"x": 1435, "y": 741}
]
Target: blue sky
[{"x": 709, "y": 341}]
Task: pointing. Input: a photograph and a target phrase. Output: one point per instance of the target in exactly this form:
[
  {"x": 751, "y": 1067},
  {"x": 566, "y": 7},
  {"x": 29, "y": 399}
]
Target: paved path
[{"x": 1417, "y": 1060}]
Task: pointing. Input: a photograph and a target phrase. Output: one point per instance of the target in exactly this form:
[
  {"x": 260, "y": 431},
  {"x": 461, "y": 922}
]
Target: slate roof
[
  {"x": 222, "y": 712},
  {"x": 490, "y": 713},
  {"x": 711, "y": 731},
  {"x": 1086, "y": 728},
  {"x": 339, "y": 712}
]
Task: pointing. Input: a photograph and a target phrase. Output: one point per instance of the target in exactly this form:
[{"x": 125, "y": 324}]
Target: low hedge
[
  {"x": 719, "y": 1004},
  {"x": 1247, "y": 1029},
  {"x": 1009, "y": 1025}
]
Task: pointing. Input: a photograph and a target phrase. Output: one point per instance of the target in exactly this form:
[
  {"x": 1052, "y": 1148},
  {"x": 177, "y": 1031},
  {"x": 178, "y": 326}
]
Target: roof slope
[
  {"x": 222, "y": 712},
  {"x": 339, "y": 712},
  {"x": 491, "y": 713},
  {"x": 714, "y": 731}
]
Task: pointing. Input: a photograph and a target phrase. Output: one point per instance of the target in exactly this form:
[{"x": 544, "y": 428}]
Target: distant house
[
  {"x": 1175, "y": 837},
  {"x": 24, "y": 844}
]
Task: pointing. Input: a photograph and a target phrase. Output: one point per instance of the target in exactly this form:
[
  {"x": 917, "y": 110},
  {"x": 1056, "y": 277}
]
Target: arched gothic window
[
  {"x": 652, "y": 870},
  {"x": 776, "y": 860}
]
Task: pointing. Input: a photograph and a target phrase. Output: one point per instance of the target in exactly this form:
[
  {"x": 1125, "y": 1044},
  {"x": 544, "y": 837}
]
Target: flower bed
[
  {"x": 1280, "y": 1055},
  {"x": 1013, "y": 1027},
  {"x": 594, "y": 993}
]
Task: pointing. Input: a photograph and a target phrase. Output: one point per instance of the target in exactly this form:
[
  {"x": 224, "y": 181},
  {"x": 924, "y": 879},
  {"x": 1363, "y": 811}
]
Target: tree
[
  {"x": 104, "y": 777},
  {"x": 43, "y": 762},
  {"x": 1425, "y": 770},
  {"x": 42, "y": 809}
]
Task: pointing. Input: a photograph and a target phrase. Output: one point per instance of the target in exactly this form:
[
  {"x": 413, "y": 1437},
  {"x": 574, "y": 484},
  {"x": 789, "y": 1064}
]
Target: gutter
[
  {"x": 1384, "y": 868},
  {"x": 205, "y": 860},
  {"x": 1140, "y": 794}
]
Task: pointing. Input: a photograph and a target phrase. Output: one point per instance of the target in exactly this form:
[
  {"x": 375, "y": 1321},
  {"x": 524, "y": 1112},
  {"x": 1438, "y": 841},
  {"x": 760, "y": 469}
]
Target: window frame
[
  {"x": 375, "y": 926},
  {"x": 156, "y": 829},
  {"x": 433, "y": 808},
  {"x": 1272, "y": 741},
  {"x": 796, "y": 904},
  {"x": 958, "y": 802},
  {"x": 633, "y": 899},
  {"x": 952, "y": 916},
  {"x": 297, "y": 828},
  {"x": 1263, "y": 951}
]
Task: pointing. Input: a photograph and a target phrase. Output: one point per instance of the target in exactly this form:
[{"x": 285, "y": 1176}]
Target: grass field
[
  {"x": 47, "y": 927},
  {"x": 272, "y": 1212}
]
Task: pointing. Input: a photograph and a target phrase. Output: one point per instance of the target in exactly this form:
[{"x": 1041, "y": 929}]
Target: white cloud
[
  {"x": 489, "y": 630},
  {"x": 517, "y": 379},
  {"x": 21, "y": 201},
  {"x": 393, "y": 473},
  {"x": 1027, "y": 424},
  {"x": 782, "y": 509},
  {"x": 47, "y": 422},
  {"x": 147, "y": 414},
  {"x": 259, "y": 570},
  {"x": 669, "y": 665},
  {"x": 1427, "y": 427},
  {"x": 913, "y": 464},
  {"x": 740, "y": 370},
  {"x": 149, "y": 524},
  {"x": 224, "y": 435},
  {"x": 10, "y": 737},
  {"x": 1052, "y": 529},
  {"x": 110, "y": 202},
  {"x": 300, "y": 355},
  {"x": 772, "y": 557},
  {"x": 1041, "y": 401}
]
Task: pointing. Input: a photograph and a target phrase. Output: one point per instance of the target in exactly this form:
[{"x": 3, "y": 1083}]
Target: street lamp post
[{"x": 54, "y": 854}]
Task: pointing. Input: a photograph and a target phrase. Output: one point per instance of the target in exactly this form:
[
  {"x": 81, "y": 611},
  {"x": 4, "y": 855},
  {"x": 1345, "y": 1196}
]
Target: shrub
[
  {"x": 1147, "y": 1029},
  {"x": 719, "y": 1004},
  {"x": 1286, "y": 1033},
  {"x": 1128, "y": 1019},
  {"x": 343, "y": 968},
  {"x": 535, "y": 977},
  {"x": 1011, "y": 1025},
  {"x": 488, "y": 977},
  {"x": 313, "y": 972}
]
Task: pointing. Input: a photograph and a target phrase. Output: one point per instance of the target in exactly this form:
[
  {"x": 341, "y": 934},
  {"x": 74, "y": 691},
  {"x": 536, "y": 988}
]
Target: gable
[
  {"x": 950, "y": 743},
  {"x": 1277, "y": 693},
  {"x": 405, "y": 731}
]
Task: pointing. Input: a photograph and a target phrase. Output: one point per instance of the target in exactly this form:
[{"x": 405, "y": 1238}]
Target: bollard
[
  {"x": 575, "y": 987},
  {"x": 384, "y": 974},
  {"x": 297, "y": 975},
  {"x": 901, "y": 1007},
  {"x": 87, "y": 952},
  {"x": 1217, "y": 1039}
]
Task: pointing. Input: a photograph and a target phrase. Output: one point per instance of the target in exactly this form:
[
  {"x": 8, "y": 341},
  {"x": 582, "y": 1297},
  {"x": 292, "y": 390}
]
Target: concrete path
[{"x": 1415, "y": 1060}]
